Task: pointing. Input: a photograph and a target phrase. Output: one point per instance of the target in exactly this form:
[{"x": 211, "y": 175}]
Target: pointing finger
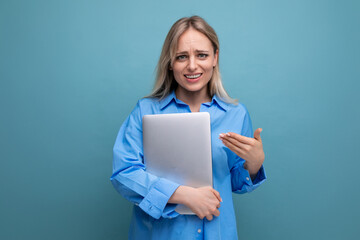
[
  {"x": 240, "y": 152},
  {"x": 238, "y": 137},
  {"x": 236, "y": 143}
]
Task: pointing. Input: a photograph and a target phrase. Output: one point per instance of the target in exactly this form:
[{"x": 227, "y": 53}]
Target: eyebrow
[{"x": 198, "y": 51}]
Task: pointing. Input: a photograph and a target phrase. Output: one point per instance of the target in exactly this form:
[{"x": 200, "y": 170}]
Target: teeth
[{"x": 193, "y": 76}]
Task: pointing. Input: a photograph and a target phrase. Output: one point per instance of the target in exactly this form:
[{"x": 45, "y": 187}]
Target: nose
[{"x": 192, "y": 64}]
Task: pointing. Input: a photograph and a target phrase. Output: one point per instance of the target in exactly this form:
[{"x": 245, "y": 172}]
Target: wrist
[{"x": 180, "y": 195}]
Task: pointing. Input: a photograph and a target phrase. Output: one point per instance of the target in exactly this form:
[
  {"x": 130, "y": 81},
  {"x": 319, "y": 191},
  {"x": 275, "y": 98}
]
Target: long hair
[{"x": 165, "y": 82}]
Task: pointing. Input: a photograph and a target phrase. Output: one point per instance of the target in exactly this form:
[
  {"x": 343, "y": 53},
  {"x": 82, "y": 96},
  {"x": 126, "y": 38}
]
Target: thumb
[{"x": 257, "y": 134}]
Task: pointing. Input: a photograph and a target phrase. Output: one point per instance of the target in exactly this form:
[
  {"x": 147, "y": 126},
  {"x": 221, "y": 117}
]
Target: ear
[{"x": 216, "y": 56}]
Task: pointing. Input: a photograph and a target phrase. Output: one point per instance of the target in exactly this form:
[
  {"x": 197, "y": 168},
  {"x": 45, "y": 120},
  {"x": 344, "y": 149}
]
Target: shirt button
[
  {"x": 247, "y": 178},
  {"x": 199, "y": 230}
]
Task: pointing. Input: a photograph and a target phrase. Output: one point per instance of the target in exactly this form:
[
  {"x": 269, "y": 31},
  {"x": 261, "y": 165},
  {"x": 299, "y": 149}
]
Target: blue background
[{"x": 71, "y": 71}]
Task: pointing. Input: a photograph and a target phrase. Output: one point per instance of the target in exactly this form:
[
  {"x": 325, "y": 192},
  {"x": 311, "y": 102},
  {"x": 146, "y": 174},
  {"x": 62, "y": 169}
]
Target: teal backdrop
[{"x": 71, "y": 72}]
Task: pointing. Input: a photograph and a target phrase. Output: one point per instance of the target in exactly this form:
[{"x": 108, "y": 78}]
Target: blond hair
[{"x": 165, "y": 82}]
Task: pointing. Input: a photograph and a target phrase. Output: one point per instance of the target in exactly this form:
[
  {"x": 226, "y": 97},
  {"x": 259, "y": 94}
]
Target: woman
[{"x": 188, "y": 80}]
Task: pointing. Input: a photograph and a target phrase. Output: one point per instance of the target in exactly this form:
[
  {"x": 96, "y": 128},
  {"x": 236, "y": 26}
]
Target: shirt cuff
[
  {"x": 260, "y": 177},
  {"x": 241, "y": 180},
  {"x": 155, "y": 201}
]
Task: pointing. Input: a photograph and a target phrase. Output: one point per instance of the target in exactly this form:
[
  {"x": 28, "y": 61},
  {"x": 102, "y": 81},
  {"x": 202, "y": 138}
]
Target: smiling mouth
[{"x": 193, "y": 77}]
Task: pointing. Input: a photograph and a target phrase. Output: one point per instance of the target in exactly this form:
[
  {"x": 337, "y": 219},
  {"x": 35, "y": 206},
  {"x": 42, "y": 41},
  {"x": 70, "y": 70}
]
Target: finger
[
  {"x": 232, "y": 147},
  {"x": 240, "y": 138},
  {"x": 217, "y": 194},
  {"x": 238, "y": 144},
  {"x": 257, "y": 134},
  {"x": 209, "y": 217},
  {"x": 217, "y": 213}
]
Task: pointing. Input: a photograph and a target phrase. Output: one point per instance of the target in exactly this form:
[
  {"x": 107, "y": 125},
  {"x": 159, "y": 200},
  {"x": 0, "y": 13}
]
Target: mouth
[{"x": 193, "y": 77}]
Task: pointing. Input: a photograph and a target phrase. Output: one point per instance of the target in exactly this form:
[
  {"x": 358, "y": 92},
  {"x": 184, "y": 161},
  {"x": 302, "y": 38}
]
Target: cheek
[
  {"x": 177, "y": 74},
  {"x": 209, "y": 70},
  {"x": 208, "y": 66},
  {"x": 177, "y": 69}
]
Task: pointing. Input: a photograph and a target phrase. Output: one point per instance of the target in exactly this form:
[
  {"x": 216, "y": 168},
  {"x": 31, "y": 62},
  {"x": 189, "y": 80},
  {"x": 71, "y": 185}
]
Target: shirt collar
[
  {"x": 168, "y": 99},
  {"x": 216, "y": 100},
  {"x": 172, "y": 97}
]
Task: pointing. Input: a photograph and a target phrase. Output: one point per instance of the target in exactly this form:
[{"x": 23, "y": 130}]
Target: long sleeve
[
  {"x": 151, "y": 193},
  {"x": 129, "y": 177},
  {"x": 240, "y": 178}
]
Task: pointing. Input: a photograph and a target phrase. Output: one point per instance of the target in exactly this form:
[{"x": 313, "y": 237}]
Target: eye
[
  {"x": 181, "y": 57},
  {"x": 203, "y": 55}
]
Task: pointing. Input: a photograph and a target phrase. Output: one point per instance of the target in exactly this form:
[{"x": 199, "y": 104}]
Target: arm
[
  {"x": 203, "y": 201},
  {"x": 247, "y": 172},
  {"x": 129, "y": 177}
]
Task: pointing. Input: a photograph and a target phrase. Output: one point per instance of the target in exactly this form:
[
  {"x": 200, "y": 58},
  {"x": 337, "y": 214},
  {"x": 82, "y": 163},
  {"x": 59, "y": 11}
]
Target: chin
[{"x": 194, "y": 88}]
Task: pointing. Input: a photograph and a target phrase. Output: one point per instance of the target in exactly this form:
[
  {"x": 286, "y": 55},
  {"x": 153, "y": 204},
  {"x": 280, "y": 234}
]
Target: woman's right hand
[{"x": 203, "y": 201}]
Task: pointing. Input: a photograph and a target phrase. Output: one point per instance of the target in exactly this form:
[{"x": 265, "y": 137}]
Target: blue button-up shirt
[{"x": 155, "y": 218}]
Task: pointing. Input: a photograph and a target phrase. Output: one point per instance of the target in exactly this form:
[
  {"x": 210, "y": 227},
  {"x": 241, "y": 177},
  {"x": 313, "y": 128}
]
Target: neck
[{"x": 193, "y": 99}]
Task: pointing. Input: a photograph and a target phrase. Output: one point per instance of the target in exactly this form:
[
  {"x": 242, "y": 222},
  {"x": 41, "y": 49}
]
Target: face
[{"x": 194, "y": 62}]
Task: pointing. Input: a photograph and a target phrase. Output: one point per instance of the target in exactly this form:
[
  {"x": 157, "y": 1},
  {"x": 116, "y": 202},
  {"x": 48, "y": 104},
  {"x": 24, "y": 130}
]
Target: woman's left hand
[{"x": 249, "y": 149}]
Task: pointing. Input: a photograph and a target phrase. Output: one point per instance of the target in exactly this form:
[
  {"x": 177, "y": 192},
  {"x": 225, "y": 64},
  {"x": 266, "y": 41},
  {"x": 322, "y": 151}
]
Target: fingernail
[
  {"x": 221, "y": 135},
  {"x": 228, "y": 134}
]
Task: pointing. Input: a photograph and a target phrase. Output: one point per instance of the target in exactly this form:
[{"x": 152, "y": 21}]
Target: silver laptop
[{"x": 178, "y": 147}]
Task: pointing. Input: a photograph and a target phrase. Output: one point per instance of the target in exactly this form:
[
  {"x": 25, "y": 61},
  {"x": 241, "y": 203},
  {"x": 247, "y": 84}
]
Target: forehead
[{"x": 192, "y": 38}]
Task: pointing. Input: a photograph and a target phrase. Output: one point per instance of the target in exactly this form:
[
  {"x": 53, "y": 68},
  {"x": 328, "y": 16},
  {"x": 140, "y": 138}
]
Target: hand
[
  {"x": 203, "y": 201},
  {"x": 249, "y": 149}
]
